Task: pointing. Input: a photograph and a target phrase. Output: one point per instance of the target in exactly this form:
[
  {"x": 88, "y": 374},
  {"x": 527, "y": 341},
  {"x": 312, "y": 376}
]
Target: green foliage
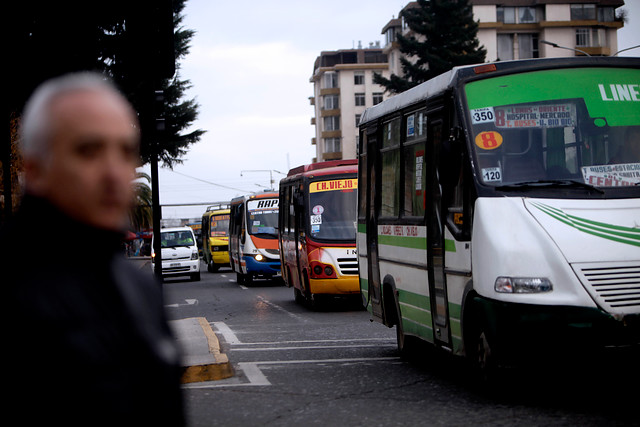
[
  {"x": 137, "y": 43},
  {"x": 444, "y": 36}
]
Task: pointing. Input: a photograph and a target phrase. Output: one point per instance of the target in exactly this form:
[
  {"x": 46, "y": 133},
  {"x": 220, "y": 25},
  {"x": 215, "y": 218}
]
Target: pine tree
[{"x": 444, "y": 36}]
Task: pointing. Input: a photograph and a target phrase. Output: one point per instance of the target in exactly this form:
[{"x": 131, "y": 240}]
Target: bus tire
[
  {"x": 480, "y": 350},
  {"x": 406, "y": 343},
  {"x": 195, "y": 276},
  {"x": 298, "y": 297}
]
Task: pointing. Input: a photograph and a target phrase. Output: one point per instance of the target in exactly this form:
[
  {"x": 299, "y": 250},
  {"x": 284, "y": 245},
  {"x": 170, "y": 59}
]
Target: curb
[{"x": 202, "y": 359}]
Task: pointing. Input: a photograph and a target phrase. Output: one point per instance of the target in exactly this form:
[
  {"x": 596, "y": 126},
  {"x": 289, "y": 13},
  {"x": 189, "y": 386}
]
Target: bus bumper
[
  {"x": 339, "y": 286},
  {"x": 262, "y": 268},
  {"x": 524, "y": 331},
  {"x": 220, "y": 257}
]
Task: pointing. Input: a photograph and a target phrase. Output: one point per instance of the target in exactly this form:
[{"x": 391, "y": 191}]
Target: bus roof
[
  {"x": 457, "y": 75},
  {"x": 325, "y": 168},
  {"x": 218, "y": 207},
  {"x": 266, "y": 194}
]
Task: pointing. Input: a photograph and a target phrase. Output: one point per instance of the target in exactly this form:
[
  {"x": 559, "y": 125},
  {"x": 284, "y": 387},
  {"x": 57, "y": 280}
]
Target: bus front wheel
[{"x": 481, "y": 351}]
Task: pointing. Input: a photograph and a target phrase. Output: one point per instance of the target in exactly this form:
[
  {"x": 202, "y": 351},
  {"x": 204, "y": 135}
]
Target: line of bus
[
  {"x": 317, "y": 230},
  {"x": 253, "y": 237},
  {"x": 499, "y": 209},
  {"x": 215, "y": 236}
]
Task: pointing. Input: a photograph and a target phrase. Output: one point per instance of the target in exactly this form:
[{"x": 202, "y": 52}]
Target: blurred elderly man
[{"x": 84, "y": 331}]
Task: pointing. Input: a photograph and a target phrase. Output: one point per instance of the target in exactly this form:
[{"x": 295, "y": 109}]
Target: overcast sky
[{"x": 250, "y": 64}]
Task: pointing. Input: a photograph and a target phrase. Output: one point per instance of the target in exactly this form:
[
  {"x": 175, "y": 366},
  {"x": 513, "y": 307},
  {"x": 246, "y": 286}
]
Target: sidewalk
[{"x": 201, "y": 356}]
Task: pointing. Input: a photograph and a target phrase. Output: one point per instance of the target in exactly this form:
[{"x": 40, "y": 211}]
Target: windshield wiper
[{"x": 550, "y": 182}]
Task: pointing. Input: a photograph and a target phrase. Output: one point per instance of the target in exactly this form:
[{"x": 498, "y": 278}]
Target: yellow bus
[
  {"x": 215, "y": 237},
  {"x": 317, "y": 230}
]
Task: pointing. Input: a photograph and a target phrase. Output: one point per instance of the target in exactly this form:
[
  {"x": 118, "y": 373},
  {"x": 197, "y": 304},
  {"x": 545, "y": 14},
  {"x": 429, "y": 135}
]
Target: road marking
[
  {"x": 227, "y": 333},
  {"x": 312, "y": 347},
  {"x": 389, "y": 340},
  {"x": 257, "y": 378},
  {"x": 277, "y": 307}
]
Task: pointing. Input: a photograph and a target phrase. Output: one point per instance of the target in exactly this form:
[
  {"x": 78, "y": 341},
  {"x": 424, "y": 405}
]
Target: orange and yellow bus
[
  {"x": 215, "y": 236},
  {"x": 317, "y": 230}
]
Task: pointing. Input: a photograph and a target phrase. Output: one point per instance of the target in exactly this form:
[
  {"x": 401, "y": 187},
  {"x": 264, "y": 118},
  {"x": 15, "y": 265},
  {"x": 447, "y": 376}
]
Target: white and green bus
[{"x": 499, "y": 209}]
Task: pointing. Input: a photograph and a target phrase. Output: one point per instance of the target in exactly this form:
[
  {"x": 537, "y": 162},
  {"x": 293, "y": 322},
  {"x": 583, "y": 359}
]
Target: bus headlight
[
  {"x": 259, "y": 257},
  {"x": 522, "y": 285},
  {"x": 194, "y": 255}
]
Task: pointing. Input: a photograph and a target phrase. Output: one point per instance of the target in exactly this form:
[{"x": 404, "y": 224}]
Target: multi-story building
[
  {"x": 343, "y": 89},
  {"x": 508, "y": 29},
  {"x": 515, "y": 29}
]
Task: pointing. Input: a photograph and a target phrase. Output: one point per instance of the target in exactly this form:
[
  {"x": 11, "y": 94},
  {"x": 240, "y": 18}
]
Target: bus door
[
  {"x": 300, "y": 241},
  {"x": 373, "y": 266},
  {"x": 436, "y": 132}
]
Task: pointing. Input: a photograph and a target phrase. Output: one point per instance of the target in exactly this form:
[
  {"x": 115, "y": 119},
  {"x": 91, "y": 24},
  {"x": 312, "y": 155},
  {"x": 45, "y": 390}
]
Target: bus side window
[{"x": 390, "y": 191}]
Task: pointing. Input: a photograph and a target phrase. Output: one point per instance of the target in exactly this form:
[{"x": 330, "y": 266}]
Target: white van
[{"x": 179, "y": 253}]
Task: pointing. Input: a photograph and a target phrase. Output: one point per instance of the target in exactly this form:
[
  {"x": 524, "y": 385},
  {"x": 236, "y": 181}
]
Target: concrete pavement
[{"x": 201, "y": 356}]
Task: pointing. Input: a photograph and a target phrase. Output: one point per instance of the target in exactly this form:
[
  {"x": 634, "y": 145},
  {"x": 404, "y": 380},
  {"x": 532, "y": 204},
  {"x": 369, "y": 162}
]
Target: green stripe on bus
[
  {"x": 449, "y": 245},
  {"x": 403, "y": 241},
  {"x": 417, "y": 329}
]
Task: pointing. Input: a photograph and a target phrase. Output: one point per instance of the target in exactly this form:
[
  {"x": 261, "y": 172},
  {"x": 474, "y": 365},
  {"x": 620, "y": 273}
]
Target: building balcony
[{"x": 332, "y": 156}]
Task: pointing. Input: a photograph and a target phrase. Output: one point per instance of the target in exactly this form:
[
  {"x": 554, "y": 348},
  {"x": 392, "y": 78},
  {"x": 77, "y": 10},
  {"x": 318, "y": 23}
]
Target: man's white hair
[{"x": 36, "y": 126}]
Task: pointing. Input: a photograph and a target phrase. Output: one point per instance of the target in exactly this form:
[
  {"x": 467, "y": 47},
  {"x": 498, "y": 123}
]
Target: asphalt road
[{"x": 333, "y": 367}]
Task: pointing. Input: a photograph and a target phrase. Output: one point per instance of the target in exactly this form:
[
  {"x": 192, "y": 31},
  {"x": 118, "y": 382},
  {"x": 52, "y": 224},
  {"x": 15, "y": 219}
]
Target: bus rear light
[{"x": 322, "y": 271}]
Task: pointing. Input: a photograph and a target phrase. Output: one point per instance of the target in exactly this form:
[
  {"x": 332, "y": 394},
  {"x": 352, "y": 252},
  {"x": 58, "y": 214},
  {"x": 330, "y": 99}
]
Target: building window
[
  {"x": 358, "y": 119},
  {"x": 390, "y": 35},
  {"x": 332, "y": 145},
  {"x": 583, "y": 12},
  {"x": 329, "y": 80},
  {"x": 360, "y": 99},
  {"x": 588, "y": 37},
  {"x": 517, "y": 46},
  {"x": 331, "y": 102},
  {"x": 331, "y": 123},
  {"x": 377, "y": 98},
  {"x": 518, "y": 15},
  {"x": 606, "y": 14},
  {"x": 358, "y": 79}
]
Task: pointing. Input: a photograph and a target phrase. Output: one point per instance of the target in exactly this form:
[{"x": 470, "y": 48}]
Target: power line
[{"x": 209, "y": 182}]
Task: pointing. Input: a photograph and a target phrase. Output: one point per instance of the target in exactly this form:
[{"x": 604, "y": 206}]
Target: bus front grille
[
  {"x": 614, "y": 286},
  {"x": 348, "y": 265}
]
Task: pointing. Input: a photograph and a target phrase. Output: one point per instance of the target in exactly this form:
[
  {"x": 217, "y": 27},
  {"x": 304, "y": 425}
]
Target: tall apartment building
[
  {"x": 343, "y": 89},
  {"x": 514, "y": 29},
  {"x": 508, "y": 29}
]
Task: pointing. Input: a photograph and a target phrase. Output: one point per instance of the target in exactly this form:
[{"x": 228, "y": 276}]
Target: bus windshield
[
  {"x": 219, "y": 225},
  {"x": 332, "y": 209},
  {"x": 262, "y": 218},
  {"x": 557, "y": 127}
]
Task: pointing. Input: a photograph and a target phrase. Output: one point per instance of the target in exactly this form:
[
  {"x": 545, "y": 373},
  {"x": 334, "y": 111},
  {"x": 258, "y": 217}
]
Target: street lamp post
[
  {"x": 556, "y": 45},
  {"x": 271, "y": 182}
]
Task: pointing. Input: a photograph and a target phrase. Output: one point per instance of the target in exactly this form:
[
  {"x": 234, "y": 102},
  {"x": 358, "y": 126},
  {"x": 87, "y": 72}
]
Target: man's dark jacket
[{"x": 85, "y": 338}]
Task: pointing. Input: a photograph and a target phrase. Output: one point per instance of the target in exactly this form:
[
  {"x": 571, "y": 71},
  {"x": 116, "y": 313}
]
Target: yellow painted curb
[{"x": 218, "y": 370}]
